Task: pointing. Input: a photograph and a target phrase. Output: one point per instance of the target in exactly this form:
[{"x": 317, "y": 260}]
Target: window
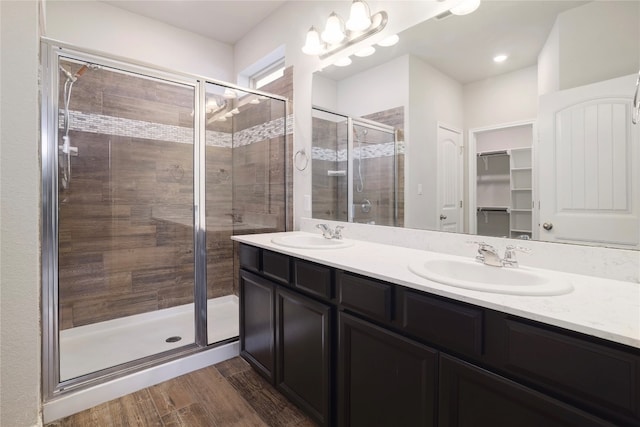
[{"x": 268, "y": 74}]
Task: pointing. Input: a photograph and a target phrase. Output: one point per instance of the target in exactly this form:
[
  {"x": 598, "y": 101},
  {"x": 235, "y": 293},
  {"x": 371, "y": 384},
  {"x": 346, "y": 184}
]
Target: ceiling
[
  {"x": 224, "y": 21},
  {"x": 463, "y": 47}
]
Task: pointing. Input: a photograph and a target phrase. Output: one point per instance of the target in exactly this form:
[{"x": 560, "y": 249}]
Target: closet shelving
[
  {"x": 493, "y": 202},
  {"x": 521, "y": 180},
  {"x": 504, "y": 180}
]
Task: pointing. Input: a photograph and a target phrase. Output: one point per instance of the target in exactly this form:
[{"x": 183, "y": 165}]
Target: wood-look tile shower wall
[
  {"x": 125, "y": 222},
  {"x": 330, "y": 192}
]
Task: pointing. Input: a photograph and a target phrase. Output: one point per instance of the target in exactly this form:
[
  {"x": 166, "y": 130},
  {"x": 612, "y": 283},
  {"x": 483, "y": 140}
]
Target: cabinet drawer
[
  {"x": 595, "y": 375},
  {"x": 451, "y": 325},
  {"x": 365, "y": 296},
  {"x": 312, "y": 278},
  {"x": 276, "y": 266},
  {"x": 249, "y": 257}
]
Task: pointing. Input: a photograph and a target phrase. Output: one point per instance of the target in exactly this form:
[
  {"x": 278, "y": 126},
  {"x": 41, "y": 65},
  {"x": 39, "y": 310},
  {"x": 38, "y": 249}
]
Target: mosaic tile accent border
[
  {"x": 370, "y": 151},
  {"x": 99, "y": 123}
]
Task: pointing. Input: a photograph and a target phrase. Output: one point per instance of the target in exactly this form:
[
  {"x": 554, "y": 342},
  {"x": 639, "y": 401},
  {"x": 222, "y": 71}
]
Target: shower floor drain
[{"x": 173, "y": 339}]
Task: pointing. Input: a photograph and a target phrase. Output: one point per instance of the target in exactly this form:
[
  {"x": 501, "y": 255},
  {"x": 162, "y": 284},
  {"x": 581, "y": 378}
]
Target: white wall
[
  {"x": 99, "y": 26},
  {"x": 594, "y": 42},
  {"x": 355, "y": 92},
  {"x": 434, "y": 98},
  {"x": 325, "y": 93},
  {"x": 19, "y": 215},
  {"x": 503, "y": 99}
]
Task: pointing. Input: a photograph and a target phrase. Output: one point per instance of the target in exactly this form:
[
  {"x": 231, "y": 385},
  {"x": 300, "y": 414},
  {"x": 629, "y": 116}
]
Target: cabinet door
[
  {"x": 473, "y": 397},
  {"x": 384, "y": 379},
  {"x": 257, "y": 323},
  {"x": 304, "y": 353}
]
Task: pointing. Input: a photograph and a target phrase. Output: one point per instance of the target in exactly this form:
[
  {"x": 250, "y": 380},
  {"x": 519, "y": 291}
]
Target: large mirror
[{"x": 436, "y": 133}]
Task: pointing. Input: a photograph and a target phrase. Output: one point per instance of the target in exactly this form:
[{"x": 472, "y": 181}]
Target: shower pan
[
  {"x": 146, "y": 176},
  {"x": 355, "y": 169}
]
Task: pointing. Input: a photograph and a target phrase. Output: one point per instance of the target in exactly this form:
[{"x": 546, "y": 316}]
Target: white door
[
  {"x": 588, "y": 158},
  {"x": 449, "y": 179}
]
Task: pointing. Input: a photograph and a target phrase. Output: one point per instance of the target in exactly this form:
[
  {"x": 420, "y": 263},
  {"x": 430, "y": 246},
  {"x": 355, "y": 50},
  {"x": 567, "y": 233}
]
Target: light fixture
[
  {"x": 500, "y": 58},
  {"x": 333, "y": 32},
  {"x": 230, "y": 94},
  {"x": 367, "y": 51},
  {"x": 359, "y": 17},
  {"x": 389, "y": 41},
  {"x": 465, "y": 7},
  {"x": 312, "y": 46},
  {"x": 343, "y": 62},
  {"x": 335, "y": 37}
]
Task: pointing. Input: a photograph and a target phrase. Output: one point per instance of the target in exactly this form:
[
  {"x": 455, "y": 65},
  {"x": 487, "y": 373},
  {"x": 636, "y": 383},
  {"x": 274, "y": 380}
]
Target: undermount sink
[
  {"x": 480, "y": 277},
  {"x": 301, "y": 241}
]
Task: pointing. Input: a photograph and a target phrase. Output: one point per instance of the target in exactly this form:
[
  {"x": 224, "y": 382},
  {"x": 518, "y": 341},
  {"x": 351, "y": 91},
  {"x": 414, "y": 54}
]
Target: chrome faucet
[
  {"x": 329, "y": 233},
  {"x": 488, "y": 255}
]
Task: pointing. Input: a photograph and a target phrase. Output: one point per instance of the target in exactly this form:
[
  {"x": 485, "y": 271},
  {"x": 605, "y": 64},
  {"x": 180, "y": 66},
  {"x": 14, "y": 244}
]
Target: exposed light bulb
[
  {"x": 359, "y": 17},
  {"x": 367, "y": 51},
  {"x": 312, "y": 45},
  {"x": 389, "y": 41},
  {"x": 500, "y": 58},
  {"x": 343, "y": 62},
  {"x": 235, "y": 111},
  {"x": 333, "y": 32},
  {"x": 228, "y": 115},
  {"x": 254, "y": 101},
  {"x": 230, "y": 94},
  {"x": 465, "y": 7}
]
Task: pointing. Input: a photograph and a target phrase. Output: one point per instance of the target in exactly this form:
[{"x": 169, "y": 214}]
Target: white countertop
[{"x": 603, "y": 308}]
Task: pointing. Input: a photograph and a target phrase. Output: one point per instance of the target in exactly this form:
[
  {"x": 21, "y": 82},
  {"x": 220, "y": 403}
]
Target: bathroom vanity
[{"x": 355, "y": 339}]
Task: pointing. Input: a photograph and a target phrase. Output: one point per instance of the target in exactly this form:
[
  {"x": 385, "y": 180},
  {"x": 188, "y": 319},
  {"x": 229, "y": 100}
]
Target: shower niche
[{"x": 146, "y": 176}]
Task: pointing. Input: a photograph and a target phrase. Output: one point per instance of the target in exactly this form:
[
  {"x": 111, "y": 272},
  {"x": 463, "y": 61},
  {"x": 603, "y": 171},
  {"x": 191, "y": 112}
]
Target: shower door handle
[{"x": 442, "y": 217}]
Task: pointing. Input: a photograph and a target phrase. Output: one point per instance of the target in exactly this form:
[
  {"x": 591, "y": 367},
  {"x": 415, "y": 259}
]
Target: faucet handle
[
  {"x": 337, "y": 233},
  {"x": 482, "y": 248},
  {"x": 510, "y": 255},
  {"x": 327, "y": 233}
]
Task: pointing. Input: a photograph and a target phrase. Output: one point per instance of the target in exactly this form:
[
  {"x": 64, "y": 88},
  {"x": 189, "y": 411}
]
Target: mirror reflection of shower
[
  {"x": 355, "y": 165},
  {"x": 359, "y": 137},
  {"x": 66, "y": 150}
]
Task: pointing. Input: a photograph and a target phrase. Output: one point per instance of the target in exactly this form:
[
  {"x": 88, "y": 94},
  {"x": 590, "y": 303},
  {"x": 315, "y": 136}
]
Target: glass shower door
[
  {"x": 245, "y": 189},
  {"x": 374, "y": 164},
  {"x": 125, "y": 216}
]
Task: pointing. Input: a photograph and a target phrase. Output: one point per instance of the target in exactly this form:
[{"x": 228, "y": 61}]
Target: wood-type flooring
[{"x": 227, "y": 394}]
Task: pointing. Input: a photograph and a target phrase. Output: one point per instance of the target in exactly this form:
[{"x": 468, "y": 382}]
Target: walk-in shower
[
  {"x": 355, "y": 166},
  {"x": 146, "y": 176}
]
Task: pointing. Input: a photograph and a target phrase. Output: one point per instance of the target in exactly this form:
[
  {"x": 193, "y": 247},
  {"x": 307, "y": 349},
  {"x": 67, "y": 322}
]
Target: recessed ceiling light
[
  {"x": 500, "y": 58},
  {"x": 367, "y": 51},
  {"x": 343, "y": 62},
  {"x": 389, "y": 41}
]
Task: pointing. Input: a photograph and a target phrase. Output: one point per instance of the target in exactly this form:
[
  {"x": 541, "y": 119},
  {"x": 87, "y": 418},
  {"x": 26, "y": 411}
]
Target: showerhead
[
  {"x": 68, "y": 74},
  {"x": 80, "y": 72}
]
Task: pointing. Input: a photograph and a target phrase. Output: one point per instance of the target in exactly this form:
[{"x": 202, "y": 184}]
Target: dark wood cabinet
[
  {"x": 303, "y": 353},
  {"x": 384, "y": 379},
  {"x": 257, "y": 323},
  {"x": 601, "y": 378},
  {"x": 355, "y": 351},
  {"x": 451, "y": 325},
  {"x": 473, "y": 397}
]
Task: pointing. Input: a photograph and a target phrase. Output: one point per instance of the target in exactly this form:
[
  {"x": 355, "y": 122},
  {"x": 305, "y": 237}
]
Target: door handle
[
  {"x": 442, "y": 217},
  {"x": 547, "y": 226}
]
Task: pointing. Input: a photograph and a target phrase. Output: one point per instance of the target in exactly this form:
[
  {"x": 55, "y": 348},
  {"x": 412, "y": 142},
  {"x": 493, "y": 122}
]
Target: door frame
[
  {"x": 460, "y": 180},
  {"x": 473, "y": 172}
]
